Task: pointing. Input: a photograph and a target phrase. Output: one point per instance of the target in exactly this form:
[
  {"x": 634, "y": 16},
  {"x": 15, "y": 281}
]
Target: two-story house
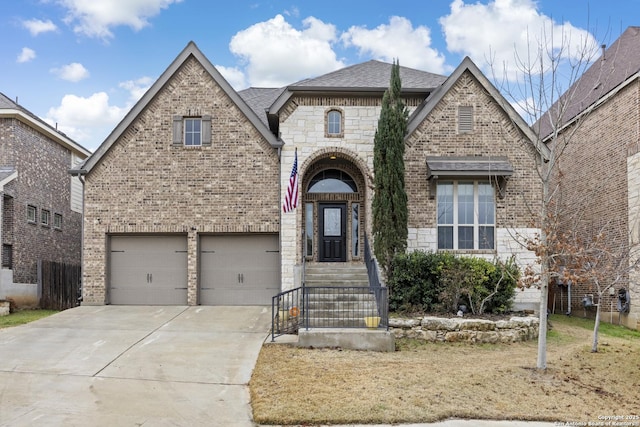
[
  {"x": 599, "y": 170},
  {"x": 40, "y": 204}
]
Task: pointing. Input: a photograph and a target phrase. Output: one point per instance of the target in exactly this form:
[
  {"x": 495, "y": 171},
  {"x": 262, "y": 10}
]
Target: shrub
[{"x": 441, "y": 282}]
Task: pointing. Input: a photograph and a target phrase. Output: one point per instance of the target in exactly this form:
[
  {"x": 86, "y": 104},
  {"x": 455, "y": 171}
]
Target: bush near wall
[{"x": 440, "y": 282}]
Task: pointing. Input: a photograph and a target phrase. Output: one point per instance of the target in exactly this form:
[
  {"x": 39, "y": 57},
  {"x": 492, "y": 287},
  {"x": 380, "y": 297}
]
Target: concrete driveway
[{"x": 132, "y": 366}]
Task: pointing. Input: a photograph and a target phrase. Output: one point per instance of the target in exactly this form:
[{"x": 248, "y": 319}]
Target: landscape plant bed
[{"x": 425, "y": 382}]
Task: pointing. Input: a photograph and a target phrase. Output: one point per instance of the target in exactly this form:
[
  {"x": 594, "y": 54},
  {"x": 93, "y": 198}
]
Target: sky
[{"x": 81, "y": 65}]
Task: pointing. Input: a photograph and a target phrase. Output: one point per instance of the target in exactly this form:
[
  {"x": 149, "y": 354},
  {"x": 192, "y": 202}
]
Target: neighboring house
[
  {"x": 41, "y": 205},
  {"x": 599, "y": 191},
  {"x": 183, "y": 201}
]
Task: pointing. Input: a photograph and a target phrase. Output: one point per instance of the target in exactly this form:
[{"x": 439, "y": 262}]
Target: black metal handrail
[
  {"x": 286, "y": 312},
  {"x": 372, "y": 265},
  {"x": 345, "y": 307}
]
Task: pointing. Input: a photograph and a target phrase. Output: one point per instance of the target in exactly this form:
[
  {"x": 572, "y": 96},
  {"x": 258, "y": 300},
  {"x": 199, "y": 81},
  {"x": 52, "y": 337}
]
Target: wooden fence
[{"x": 59, "y": 284}]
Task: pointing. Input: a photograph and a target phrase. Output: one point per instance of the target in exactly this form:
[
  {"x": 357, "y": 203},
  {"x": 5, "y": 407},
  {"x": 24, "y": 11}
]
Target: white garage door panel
[
  {"x": 239, "y": 269},
  {"x": 148, "y": 270}
]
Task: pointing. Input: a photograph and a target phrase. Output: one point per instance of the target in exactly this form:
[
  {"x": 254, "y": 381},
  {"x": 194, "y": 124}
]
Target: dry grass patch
[{"x": 424, "y": 382}]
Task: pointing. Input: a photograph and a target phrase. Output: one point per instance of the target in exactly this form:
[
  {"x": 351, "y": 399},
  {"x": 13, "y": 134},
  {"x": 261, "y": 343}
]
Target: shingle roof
[
  {"x": 258, "y": 99},
  {"x": 5, "y": 102},
  {"x": 372, "y": 75},
  {"x": 618, "y": 63}
]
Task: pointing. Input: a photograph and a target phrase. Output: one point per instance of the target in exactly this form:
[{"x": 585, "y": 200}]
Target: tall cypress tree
[{"x": 390, "y": 199}]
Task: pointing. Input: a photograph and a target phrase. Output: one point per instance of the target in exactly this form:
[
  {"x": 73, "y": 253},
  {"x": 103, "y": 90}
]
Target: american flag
[{"x": 291, "y": 197}]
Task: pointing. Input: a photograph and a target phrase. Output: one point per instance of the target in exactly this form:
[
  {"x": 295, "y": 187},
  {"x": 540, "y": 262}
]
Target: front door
[{"x": 333, "y": 232}]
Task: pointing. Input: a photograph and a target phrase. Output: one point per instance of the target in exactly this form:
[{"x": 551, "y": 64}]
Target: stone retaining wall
[{"x": 437, "y": 329}]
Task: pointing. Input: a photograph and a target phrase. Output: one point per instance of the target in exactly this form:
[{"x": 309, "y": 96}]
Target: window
[
  {"x": 355, "y": 230},
  {"x": 308, "y": 229},
  {"x": 332, "y": 181},
  {"x": 466, "y": 215},
  {"x": 191, "y": 131},
  {"x": 465, "y": 119},
  {"x": 31, "y": 213},
  {"x": 7, "y": 256},
  {"x": 334, "y": 123},
  {"x": 57, "y": 221},
  {"x": 45, "y": 217}
]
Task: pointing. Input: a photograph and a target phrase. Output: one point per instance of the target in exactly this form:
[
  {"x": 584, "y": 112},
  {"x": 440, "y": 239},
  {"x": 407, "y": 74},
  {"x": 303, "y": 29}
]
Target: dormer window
[{"x": 334, "y": 124}]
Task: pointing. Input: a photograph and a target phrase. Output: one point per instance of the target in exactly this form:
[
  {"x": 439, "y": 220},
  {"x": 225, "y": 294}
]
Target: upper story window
[
  {"x": 57, "y": 221},
  {"x": 466, "y": 215},
  {"x": 192, "y": 131},
  {"x": 465, "y": 119},
  {"x": 31, "y": 213},
  {"x": 334, "y": 124},
  {"x": 45, "y": 217}
]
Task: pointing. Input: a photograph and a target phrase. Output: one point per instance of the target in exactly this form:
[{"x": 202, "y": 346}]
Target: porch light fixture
[{"x": 333, "y": 156}]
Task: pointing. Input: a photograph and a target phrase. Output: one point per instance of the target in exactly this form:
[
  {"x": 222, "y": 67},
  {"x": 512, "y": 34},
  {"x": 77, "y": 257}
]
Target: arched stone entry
[{"x": 334, "y": 196}]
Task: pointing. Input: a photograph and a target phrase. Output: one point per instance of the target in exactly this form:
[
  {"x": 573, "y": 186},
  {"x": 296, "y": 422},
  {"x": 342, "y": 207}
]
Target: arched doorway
[{"x": 334, "y": 196}]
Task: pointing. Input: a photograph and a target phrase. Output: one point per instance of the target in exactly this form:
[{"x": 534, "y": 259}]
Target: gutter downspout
[{"x": 80, "y": 173}]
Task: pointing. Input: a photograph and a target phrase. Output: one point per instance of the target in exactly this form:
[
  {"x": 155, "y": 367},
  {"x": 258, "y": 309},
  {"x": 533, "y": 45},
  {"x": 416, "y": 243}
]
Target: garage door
[
  {"x": 239, "y": 269},
  {"x": 148, "y": 270}
]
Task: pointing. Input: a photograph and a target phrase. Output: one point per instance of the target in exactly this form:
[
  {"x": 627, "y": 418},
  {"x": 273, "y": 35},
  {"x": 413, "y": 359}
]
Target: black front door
[{"x": 333, "y": 232}]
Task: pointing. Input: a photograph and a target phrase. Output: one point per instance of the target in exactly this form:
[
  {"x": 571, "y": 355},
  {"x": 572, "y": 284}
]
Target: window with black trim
[
  {"x": 190, "y": 131},
  {"x": 32, "y": 213},
  {"x": 45, "y": 217},
  {"x": 334, "y": 123},
  {"x": 57, "y": 221},
  {"x": 466, "y": 215}
]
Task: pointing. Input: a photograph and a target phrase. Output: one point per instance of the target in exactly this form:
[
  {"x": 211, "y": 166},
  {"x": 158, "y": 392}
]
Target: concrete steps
[
  {"x": 336, "y": 274},
  {"x": 340, "y": 307}
]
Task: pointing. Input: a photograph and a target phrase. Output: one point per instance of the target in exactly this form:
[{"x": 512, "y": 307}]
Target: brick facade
[
  {"x": 603, "y": 197},
  {"x": 146, "y": 184},
  {"x": 43, "y": 181}
]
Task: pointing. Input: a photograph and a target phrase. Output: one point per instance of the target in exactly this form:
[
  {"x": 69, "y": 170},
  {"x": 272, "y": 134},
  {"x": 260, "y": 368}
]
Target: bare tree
[{"x": 550, "y": 93}]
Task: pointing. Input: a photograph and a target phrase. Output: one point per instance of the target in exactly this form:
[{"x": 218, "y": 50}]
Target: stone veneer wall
[
  {"x": 632, "y": 320},
  {"x": 437, "y": 329}
]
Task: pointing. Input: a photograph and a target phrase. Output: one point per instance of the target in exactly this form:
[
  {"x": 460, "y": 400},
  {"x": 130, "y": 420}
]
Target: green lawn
[{"x": 21, "y": 317}]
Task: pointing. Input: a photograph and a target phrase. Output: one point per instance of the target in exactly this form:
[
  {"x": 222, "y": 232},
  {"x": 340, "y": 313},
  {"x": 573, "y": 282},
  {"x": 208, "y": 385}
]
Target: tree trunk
[
  {"x": 596, "y": 326},
  {"x": 542, "y": 333}
]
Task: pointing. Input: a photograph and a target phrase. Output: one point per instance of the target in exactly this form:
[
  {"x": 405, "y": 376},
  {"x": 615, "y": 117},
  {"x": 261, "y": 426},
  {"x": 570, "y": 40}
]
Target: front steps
[{"x": 338, "y": 295}]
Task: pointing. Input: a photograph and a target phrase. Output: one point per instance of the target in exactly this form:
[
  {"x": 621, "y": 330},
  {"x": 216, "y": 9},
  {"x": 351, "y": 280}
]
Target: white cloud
[
  {"x": 234, "y": 76},
  {"x": 73, "y": 72},
  {"x": 26, "y": 55},
  {"x": 86, "y": 120},
  {"x": 278, "y": 54},
  {"x": 494, "y": 32},
  {"x": 398, "y": 40},
  {"x": 136, "y": 88},
  {"x": 96, "y": 18},
  {"x": 89, "y": 120},
  {"x": 37, "y": 26}
]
